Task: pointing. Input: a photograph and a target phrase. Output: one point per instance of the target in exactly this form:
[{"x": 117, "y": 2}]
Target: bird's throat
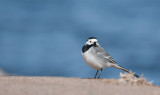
[{"x": 87, "y": 47}]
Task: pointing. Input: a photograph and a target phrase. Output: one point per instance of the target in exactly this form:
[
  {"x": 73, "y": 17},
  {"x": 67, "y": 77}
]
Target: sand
[{"x": 20, "y": 85}]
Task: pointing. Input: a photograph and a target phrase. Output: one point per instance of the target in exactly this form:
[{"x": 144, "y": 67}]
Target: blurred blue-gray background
[{"x": 45, "y": 37}]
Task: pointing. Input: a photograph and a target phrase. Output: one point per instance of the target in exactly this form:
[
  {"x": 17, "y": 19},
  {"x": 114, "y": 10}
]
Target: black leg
[
  {"x": 96, "y": 74},
  {"x": 100, "y": 73}
]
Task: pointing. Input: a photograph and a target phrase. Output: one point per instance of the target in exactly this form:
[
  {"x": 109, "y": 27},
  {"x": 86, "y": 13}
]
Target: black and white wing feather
[
  {"x": 103, "y": 54},
  {"x": 100, "y": 51}
]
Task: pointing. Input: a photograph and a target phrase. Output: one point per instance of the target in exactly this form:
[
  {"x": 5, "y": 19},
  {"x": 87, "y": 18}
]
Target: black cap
[{"x": 92, "y": 38}]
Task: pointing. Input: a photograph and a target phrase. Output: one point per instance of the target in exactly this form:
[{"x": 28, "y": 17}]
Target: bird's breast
[{"x": 91, "y": 60}]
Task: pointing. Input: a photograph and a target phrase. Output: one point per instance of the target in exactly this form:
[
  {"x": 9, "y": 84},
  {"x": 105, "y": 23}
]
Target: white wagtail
[{"x": 97, "y": 58}]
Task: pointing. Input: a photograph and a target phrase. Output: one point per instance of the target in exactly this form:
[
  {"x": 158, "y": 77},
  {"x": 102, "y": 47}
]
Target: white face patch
[{"x": 91, "y": 41}]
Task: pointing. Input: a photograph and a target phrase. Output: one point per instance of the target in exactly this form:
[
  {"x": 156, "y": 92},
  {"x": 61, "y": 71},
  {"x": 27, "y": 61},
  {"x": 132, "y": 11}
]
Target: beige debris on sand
[{"x": 130, "y": 79}]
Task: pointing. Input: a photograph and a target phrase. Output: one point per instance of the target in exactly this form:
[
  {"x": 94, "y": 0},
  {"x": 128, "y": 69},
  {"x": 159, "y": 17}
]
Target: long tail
[{"x": 119, "y": 67}]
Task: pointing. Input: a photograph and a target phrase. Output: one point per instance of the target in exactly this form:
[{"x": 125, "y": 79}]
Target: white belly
[{"x": 92, "y": 61}]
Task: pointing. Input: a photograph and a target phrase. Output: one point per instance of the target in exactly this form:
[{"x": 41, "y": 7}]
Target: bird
[{"x": 97, "y": 57}]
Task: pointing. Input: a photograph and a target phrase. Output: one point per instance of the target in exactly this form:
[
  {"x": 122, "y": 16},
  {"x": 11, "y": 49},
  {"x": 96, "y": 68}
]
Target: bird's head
[{"x": 92, "y": 41}]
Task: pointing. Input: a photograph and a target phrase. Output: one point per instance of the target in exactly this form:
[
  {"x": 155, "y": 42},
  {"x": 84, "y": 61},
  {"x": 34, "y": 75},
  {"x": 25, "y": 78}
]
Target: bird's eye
[{"x": 90, "y": 41}]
